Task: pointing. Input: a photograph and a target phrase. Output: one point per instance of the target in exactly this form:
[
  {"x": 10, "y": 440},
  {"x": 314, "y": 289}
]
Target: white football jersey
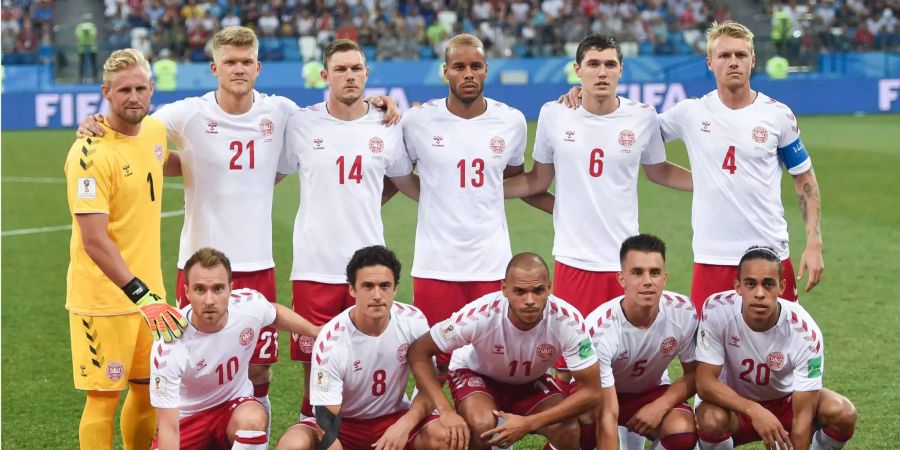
[
  {"x": 200, "y": 371},
  {"x": 365, "y": 375},
  {"x": 342, "y": 165},
  {"x": 764, "y": 365},
  {"x": 461, "y": 234},
  {"x": 736, "y": 158},
  {"x": 635, "y": 360},
  {"x": 597, "y": 160},
  {"x": 229, "y": 164},
  {"x": 486, "y": 341}
]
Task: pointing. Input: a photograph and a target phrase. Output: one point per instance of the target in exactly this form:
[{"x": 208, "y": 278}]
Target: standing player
[
  {"x": 597, "y": 150},
  {"x": 360, "y": 369},
  {"x": 464, "y": 146},
  {"x": 505, "y": 343},
  {"x": 343, "y": 152},
  {"x": 772, "y": 355},
  {"x": 199, "y": 383},
  {"x": 636, "y": 337},
  {"x": 115, "y": 193},
  {"x": 736, "y": 139}
]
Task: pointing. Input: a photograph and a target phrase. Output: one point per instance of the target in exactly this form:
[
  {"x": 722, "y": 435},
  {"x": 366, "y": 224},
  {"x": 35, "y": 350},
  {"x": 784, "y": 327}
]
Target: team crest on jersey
[
  {"x": 438, "y": 141},
  {"x": 402, "y": 350},
  {"x": 305, "y": 343},
  {"x": 376, "y": 145},
  {"x": 318, "y": 144},
  {"x": 626, "y": 138},
  {"x": 475, "y": 382},
  {"x": 570, "y": 136},
  {"x": 246, "y": 336},
  {"x": 497, "y": 145},
  {"x": 705, "y": 126},
  {"x": 115, "y": 370},
  {"x": 266, "y": 127},
  {"x": 545, "y": 352},
  {"x": 760, "y": 135},
  {"x": 668, "y": 346},
  {"x": 212, "y": 127},
  {"x": 775, "y": 360}
]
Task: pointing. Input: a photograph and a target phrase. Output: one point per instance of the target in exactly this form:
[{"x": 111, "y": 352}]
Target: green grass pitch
[{"x": 856, "y": 160}]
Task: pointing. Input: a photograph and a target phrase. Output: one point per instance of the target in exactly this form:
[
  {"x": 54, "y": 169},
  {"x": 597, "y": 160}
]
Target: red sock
[
  {"x": 712, "y": 439},
  {"x": 261, "y": 390},
  {"x": 837, "y": 435},
  {"x": 306, "y": 408},
  {"x": 681, "y": 441},
  {"x": 588, "y": 435}
]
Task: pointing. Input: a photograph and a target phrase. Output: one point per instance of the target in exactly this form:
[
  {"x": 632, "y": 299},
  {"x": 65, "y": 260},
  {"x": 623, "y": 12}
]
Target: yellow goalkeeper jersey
[{"x": 120, "y": 176}]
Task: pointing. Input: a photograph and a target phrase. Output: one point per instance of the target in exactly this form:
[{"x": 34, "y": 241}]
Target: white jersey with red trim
[
  {"x": 462, "y": 233},
  {"x": 365, "y": 375},
  {"x": 202, "y": 370},
  {"x": 634, "y": 359},
  {"x": 342, "y": 165},
  {"x": 736, "y": 158},
  {"x": 229, "y": 164},
  {"x": 764, "y": 365},
  {"x": 486, "y": 341},
  {"x": 597, "y": 161}
]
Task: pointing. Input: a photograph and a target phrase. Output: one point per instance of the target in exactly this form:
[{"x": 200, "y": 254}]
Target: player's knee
[
  {"x": 433, "y": 436},
  {"x": 251, "y": 416},
  {"x": 678, "y": 421},
  {"x": 838, "y": 412},
  {"x": 563, "y": 435},
  {"x": 298, "y": 437},
  {"x": 480, "y": 421},
  {"x": 259, "y": 374},
  {"x": 712, "y": 420}
]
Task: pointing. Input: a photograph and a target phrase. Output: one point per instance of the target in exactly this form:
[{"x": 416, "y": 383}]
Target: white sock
[
  {"x": 250, "y": 440},
  {"x": 656, "y": 445},
  {"x": 822, "y": 441},
  {"x": 265, "y": 402},
  {"x": 629, "y": 440},
  {"x": 727, "y": 444}
]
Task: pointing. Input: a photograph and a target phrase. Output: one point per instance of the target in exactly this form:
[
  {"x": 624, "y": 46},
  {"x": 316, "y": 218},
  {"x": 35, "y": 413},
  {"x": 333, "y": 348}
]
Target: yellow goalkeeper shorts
[{"x": 107, "y": 351}]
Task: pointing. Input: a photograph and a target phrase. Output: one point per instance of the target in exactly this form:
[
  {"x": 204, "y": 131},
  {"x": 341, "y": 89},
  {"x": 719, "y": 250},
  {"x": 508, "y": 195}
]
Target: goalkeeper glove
[{"x": 164, "y": 320}]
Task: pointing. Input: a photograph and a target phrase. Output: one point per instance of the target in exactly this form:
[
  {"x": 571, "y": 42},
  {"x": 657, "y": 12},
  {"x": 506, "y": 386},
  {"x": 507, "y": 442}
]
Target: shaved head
[{"x": 527, "y": 262}]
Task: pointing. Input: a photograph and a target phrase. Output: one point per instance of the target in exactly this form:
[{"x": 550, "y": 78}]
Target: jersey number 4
[
  {"x": 238, "y": 148},
  {"x": 729, "y": 162}
]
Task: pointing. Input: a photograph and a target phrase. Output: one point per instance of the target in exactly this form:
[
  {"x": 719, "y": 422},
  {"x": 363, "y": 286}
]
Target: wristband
[{"x": 135, "y": 289}]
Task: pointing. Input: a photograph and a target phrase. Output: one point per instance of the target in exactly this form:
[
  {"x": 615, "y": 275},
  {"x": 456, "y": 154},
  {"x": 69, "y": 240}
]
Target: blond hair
[
  {"x": 124, "y": 59},
  {"x": 462, "y": 40},
  {"x": 728, "y": 28},
  {"x": 235, "y": 37}
]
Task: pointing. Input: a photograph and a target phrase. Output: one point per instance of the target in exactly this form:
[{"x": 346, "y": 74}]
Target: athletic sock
[
  {"x": 629, "y": 440},
  {"x": 723, "y": 442},
  {"x": 138, "y": 420},
  {"x": 679, "y": 441},
  {"x": 95, "y": 432},
  {"x": 250, "y": 440},
  {"x": 829, "y": 439},
  {"x": 261, "y": 392}
]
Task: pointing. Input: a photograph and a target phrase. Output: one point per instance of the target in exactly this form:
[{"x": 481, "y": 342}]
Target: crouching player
[
  {"x": 199, "y": 383},
  {"x": 636, "y": 337},
  {"x": 360, "y": 371},
  {"x": 505, "y": 343},
  {"x": 772, "y": 355}
]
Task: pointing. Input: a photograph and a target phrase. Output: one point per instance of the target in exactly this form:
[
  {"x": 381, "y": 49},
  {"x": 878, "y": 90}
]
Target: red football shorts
[
  {"x": 709, "y": 279},
  {"x": 630, "y": 404},
  {"x": 585, "y": 289},
  {"x": 361, "y": 434},
  {"x": 519, "y": 399},
  {"x": 263, "y": 281},
  {"x": 781, "y": 408},
  {"x": 207, "y": 430},
  {"x": 317, "y": 303},
  {"x": 438, "y": 299}
]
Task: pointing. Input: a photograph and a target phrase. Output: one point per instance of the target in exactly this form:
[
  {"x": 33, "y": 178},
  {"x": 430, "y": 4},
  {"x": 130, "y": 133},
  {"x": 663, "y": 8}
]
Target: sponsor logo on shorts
[
  {"x": 497, "y": 144},
  {"x": 87, "y": 188},
  {"x": 475, "y": 382},
  {"x": 83, "y": 370},
  {"x": 760, "y": 135},
  {"x": 305, "y": 343},
  {"x": 545, "y": 352},
  {"x": 402, "y": 350},
  {"x": 668, "y": 346},
  {"x": 115, "y": 370},
  {"x": 585, "y": 349},
  {"x": 814, "y": 367},
  {"x": 626, "y": 138},
  {"x": 376, "y": 145},
  {"x": 775, "y": 360},
  {"x": 247, "y": 336},
  {"x": 266, "y": 127}
]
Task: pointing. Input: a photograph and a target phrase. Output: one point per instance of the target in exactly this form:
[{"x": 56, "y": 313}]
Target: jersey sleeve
[
  {"x": 517, "y": 158},
  {"x": 398, "y": 163},
  {"x": 89, "y": 179},
  {"x": 578, "y": 349},
  {"x": 174, "y": 117},
  {"x": 791, "y": 151},
  {"x": 670, "y": 122},
  {"x": 809, "y": 359},
  {"x": 166, "y": 368},
  {"x": 687, "y": 353},
  {"x": 656, "y": 149},
  {"x": 327, "y": 374},
  {"x": 710, "y": 347},
  {"x": 289, "y": 160},
  {"x": 450, "y": 335},
  {"x": 288, "y": 108},
  {"x": 604, "y": 345},
  {"x": 543, "y": 150},
  {"x": 407, "y": 125}
]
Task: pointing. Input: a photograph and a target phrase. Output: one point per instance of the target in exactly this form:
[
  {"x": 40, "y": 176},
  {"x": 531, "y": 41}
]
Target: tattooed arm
[{"x": 811, "y": 209}]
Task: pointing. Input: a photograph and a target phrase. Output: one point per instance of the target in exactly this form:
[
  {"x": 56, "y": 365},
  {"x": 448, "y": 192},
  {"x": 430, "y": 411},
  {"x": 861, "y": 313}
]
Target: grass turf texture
[{"x": 855, "y": 306}]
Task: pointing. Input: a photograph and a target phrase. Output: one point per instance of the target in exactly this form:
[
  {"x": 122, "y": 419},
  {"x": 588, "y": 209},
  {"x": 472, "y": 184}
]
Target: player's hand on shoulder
[
  {"x": 389, "y": 106},
  {"x": 90, "y": 126},
  {"x": 510, "y": 428},
  {"x": 571, "y": 99},
  {"x": 769, "y": 429}
]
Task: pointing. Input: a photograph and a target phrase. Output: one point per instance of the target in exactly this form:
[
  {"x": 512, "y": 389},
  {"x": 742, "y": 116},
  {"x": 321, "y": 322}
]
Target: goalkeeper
[{"x": 115, "y": 294}]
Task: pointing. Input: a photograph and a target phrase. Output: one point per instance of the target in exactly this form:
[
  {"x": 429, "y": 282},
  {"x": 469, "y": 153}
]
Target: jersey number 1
[{"x": 729, "y": 162}]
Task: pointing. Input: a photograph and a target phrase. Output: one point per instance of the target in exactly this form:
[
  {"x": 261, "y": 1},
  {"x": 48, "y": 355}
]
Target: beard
[
  {"x": 131, "y": 116},
  {"x": 467, "y": 98}
]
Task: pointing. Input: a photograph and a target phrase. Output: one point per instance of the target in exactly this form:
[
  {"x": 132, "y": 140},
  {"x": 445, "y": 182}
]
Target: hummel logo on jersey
[
  {"x": 357, "y": 365},
  {"x": 735, "y": 342},
  {"x": 318, "y": 144},
  {"x": 201, "y": 364},
  {"x": 498, "y": 349},
  {"x": 622, "y": 356},
  {"x": 438, "y": 141},
  {"x": 570, "y": 136},
  {"x": 704, "y": 126},
  {"x": 126, "y": 170},
  {"x": 212, "y": 127}
]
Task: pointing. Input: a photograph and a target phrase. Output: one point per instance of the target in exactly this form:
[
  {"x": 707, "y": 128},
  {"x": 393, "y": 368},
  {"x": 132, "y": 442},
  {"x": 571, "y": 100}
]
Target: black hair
[
  {"x": 376, "y": 255},
  {"x": 646, "y": 243},
  {"x": 760, "y": 252},
  {"x": 599, "y": 42}
]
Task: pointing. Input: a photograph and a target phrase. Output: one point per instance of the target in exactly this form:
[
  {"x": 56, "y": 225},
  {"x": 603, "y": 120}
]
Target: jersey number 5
[{"x": 238, "y": 148}]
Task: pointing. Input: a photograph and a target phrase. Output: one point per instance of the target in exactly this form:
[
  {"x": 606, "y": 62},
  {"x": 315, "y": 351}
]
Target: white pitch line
[{"x": 24, "y": 231}]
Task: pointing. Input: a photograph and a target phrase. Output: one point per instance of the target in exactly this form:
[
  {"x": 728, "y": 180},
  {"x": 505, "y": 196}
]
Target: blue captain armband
[{"x": 793, "y": 155}]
